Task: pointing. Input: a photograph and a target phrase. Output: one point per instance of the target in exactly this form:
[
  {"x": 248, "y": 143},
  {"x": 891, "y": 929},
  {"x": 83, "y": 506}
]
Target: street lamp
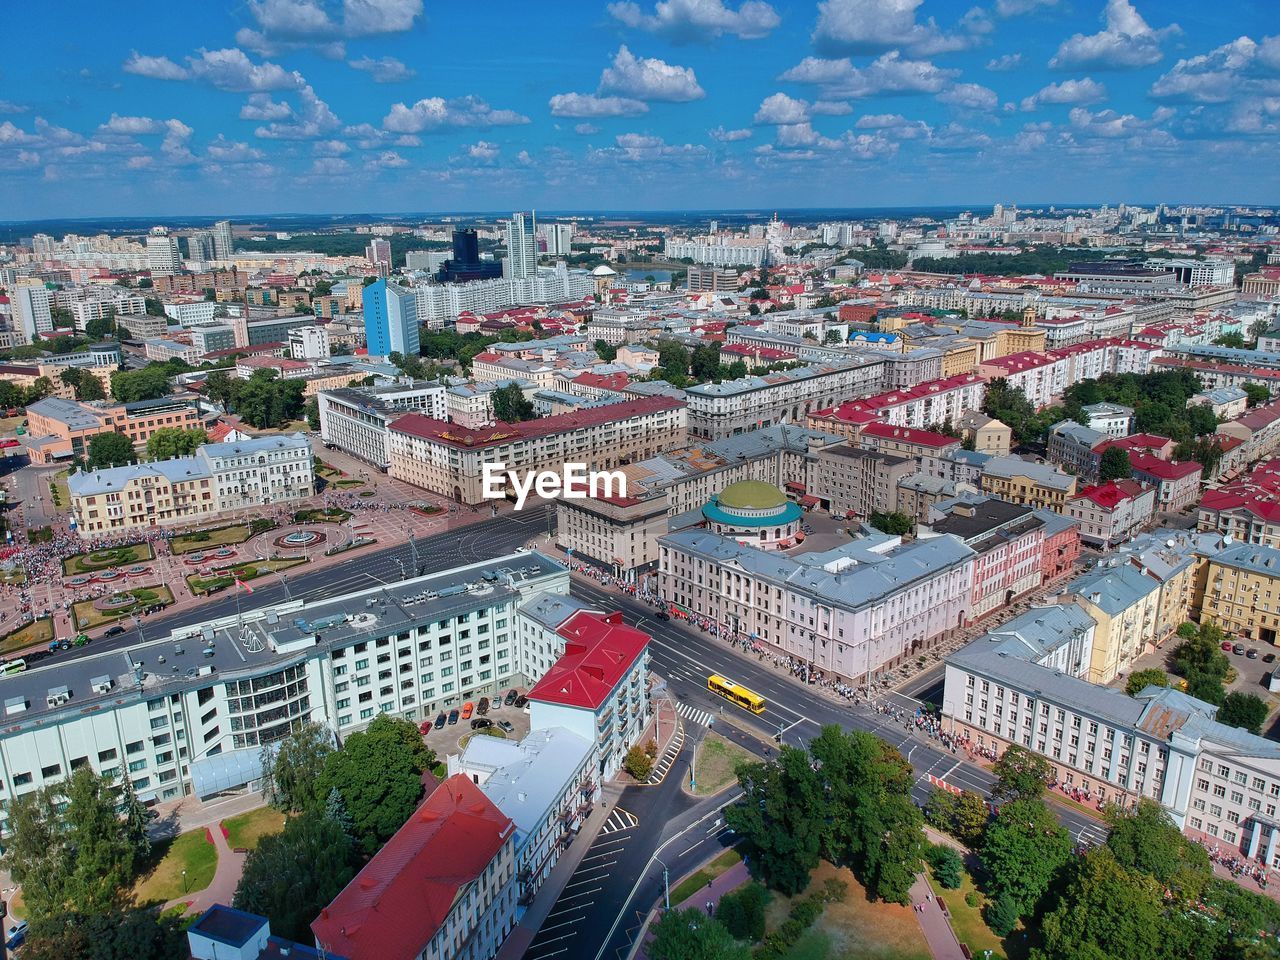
[
  {"x": 184, "y": 881},
  {"x": 666, "y": 885}
]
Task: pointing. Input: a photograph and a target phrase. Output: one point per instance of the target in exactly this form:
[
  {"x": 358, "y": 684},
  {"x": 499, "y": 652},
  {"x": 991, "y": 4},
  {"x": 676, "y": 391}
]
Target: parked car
[
  {"x": 521, "y": 701},
  {"x": 468, "y": 709},
  {"x": 16, "y": 936},
  {"x": 453, "y": 716},
  {"x": 479, "y": 723},
  {"x": 424, "y": 727},
  {"x": 1226, "y": 646},
  {"x": 1269, "y": 658},
  {"x": 506, "y": 726},
  {"x": 440, "y": 718},
  {"x": 511, "y": 696},
  {"x": 1252, "y": 653},
  {"x": 483, "y": 706},
  {"x": 114, "y": 631},
  {"x": 1238, "y": 649}
]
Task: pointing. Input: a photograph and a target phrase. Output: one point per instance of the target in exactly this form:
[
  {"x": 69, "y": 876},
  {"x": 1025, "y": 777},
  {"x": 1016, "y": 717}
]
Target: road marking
[
  {"x": 618, "y": 821},
  {"x": 694, "y": 715},
  {"x": 582, "y": 894}
]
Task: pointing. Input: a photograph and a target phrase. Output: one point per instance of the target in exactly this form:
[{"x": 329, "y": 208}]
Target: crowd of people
[{"x": 1237, "y": 865}]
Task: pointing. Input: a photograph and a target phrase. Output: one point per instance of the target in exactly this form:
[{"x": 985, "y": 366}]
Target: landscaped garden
[
  {"x": 103, "y": 559},
  {"x": 244, "y": 832},
  {"x": 700, "y": 878},
  {"x": 88, "y": 614},
  {"x": 37, "y": 632},
  {"x": 184, "y": 865},
  {"x": 204, "y": 539},
  {"x": 325, "y": 515},
  {"x": 224, "y": 577}
]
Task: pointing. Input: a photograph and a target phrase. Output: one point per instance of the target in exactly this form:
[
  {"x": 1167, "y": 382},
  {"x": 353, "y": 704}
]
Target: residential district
[{"x": 936, "y": 612}]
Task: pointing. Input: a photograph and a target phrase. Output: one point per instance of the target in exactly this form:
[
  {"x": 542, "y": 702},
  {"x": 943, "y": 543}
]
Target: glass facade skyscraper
[{"x": 390, "y": 320}]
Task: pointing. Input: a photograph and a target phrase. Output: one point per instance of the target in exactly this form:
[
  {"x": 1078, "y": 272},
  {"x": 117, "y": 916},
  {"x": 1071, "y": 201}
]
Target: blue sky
[{"x": 386, "y": 105}]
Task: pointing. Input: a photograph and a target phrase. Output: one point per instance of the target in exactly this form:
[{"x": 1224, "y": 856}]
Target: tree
[
  {"x": 110, "y": 449},
  {"x": 311, "y": 410},
  {"x": 1139, "y": 680},
  {"x": 969, "y": 818},
  {"x": 1114, "y": 465},
  {"x": 121, "y": 933},
  {"x": 292, "y": 767},
  {"x": 101, "y": 850},
  {"x": 378, "y": 773},
  {"x": 149, "y": 383},
  {"x": 89, "y": 388},
  {"x": 336, "y": 811},
  {"x": 292, "y": 875},
  {"x": 1106, "y": 911},
  {"x": 510, "y": 404},
  {"x": 781, "y": 817},
  {"x": 1144, "y": 838},
  {"x": 1233, "y": 339},
  {"x": 1022, "y": 852},
  {"x": 638, "y": 763},
  {"x": 169, "y": 442},
  {"x": 897, "y": 524},
  {"x": 704, "y": 363},
  {"x": 947, "y": 866},
  {"x": 101, "y": 327},
  {"x": 1020, "y": 775},
  {"x": 135, "y": 820},
  {"x": 1002, "y": 915},
  {"x": 606, "y": 352},
  {"x": 692, "y": 935},
  {"x": 1010, "y": 406},
  {"x": 1245, "y": 710},
  {"x": 219, "y": 387},
  {"x": 742, "y": 912},
  {"x": 832, "y": 337},
  {"x": 35, "y": 854},
  {"x": 1258, "y": 394}
]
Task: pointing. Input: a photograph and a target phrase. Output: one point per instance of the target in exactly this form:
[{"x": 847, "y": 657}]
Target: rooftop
[{"x": 599, "y": 651}]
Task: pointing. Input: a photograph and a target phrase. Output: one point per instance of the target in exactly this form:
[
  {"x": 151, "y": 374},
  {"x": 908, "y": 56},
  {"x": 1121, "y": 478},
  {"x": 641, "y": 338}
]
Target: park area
[
  {"x": 182, "y": 865},
  {"x": 716, "y": 763},
  {"x": 325, "y": 515},
  {"x": 245, "y": 831},
  {"x": 88, "y": 614},
  {"x": 36, "y": 633},
  {"x": 222, "y": 578},
  {"x": 204, "y": 539},
  {"x": 131, "y": 553}
]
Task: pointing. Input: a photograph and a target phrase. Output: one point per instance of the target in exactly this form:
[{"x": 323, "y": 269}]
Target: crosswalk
[
  {"x": 694, "y": 715},
  {"x": 659, "y": 772},
  {"x": 618, "y": 821}
]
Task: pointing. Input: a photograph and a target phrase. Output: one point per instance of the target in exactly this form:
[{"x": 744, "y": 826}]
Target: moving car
[
  {"x": 468, "y": 709},
  {"x": 506, "y": 726},
  {"x": 440, "y": 718},
  {"x": 479, "y": 723},
  {"x": 663, "y": 615},
  {"x": 114, "y": 631},
  {"x": 483, "y": 706},
  {"x": 453, "y": 716}
]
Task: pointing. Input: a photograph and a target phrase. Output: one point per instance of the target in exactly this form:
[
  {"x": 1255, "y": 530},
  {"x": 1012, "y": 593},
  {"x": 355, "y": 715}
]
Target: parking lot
[
  {"x": 1252, "y": 674},
  {"x": 447, "y": 739}
]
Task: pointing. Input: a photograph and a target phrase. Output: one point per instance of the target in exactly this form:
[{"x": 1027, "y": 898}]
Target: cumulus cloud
[
  {"x": 283, "y": 25},
  {"x": 130, "y": 126},
  {"x": 436, "y": 113},
  {"x": 647, "y": 78},
  {"x": 260, "y": 106},
  {"x": 1014, "y": 8},
  {"x": 1234, "y": 70},
  {"x": 8, "y": 106},
  {"x": 685, "y": 21},
  {"x": 889, "y": 73},
  {"x": 869, "y": 26},
  {"x": 329, "y": 167},
  {"x": 640, "y": 147},
  {"x": 384, "y": 69},
  {"x": 231, "y": 69},
  {"x": 329, "y": 148},
  {"x": 780, "y": 108},
  {"x": 729, "y": 136},
  {"x": 1127, "y": 42},
  {"x": 590, "y": 105},
  {"x": 483, "y": 151},
  {"x": 311, "y": 119},
  {"x": 389, "y": 160},
  {"x": 1086, "y": 90},
  {"x": 158, "y": 68},
  {"x": 1111, "y": 124},
  {"x": 970, "y": 96},
  {"x": 895, "y": 125},
  {"x": 586, "y": 129},
  {"x": 1010, "y": 61},
  {"x": 223, "y": 150}
]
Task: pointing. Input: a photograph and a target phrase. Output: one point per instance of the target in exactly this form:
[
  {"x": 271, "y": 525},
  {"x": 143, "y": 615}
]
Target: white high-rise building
[
  {"x": 223, "y": 244},
  {"x": 200, "y": 245},
  {"x": 559, "y": 237},
  {"x": 30, "y": 309},
  {"x": 522, "y": 250},
  {"x": 163, "y": 255},
  {"x": 42, "y": 246}
]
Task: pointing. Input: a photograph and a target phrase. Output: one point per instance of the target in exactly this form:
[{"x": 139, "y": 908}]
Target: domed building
[
  {"x": 754, "y": 513},
  {"x": 604, "y": 276}
]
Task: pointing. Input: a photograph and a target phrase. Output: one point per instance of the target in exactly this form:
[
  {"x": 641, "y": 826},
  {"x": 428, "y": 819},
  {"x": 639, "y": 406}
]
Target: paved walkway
[
  {"x": 708, "y": 899},
  {"x": 225, "y": 878},
  {"x": 933, "y": 923}
]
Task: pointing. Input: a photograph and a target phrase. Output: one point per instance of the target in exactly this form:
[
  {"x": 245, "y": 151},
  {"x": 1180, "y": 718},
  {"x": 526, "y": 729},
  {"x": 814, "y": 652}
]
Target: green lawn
[
  {"x": 700, "y": 878},
  {"x": 244, "y": 831},
  {"x": 13, "y": 576},
  {"x": 349, "y": 482},
  {"x": 37, "y": 632},
  {"x": 58, "y": 492},
  {"x": 210, "y": 539},
  {"x": 326, "y": 515},
  {"x": 165, "y": 882},
  {"x": 225, "y": 577},
  {"x": 715, "y": 763},
  {"x": 86, "y": 616},
  {"x": 970, "y": 928},
  {"x": 103, "y": 559}
]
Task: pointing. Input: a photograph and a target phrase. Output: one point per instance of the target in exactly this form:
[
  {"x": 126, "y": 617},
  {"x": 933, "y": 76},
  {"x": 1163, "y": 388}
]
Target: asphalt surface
[
  {"x": 478, "y": 541},
  {"x": 686, "y": 656}
]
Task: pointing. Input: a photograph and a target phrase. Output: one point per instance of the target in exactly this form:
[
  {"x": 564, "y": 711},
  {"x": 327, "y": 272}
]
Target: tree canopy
[
  {"x": 293, "y": 765},
  {"x": 510, "y": 405},
  {"x": 692, "y": 935},
  {"x": 1023, "y": 850},
  {"x": 1114, "y": 465},
  {"x": 110, "y": 449},
  {"x": 169, "y": 442},
  {"x": 1245, "y": 710},
  {"x": 1020, "y": 775}
]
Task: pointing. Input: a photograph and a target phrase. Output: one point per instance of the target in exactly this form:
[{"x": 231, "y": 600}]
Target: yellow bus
[{"x": 735, "y": 693}]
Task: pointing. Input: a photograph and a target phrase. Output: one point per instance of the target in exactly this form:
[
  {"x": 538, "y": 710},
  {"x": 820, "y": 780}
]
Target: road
[
  {"x": 479, "y": 541},
  {"x": 686, "y": 657}
]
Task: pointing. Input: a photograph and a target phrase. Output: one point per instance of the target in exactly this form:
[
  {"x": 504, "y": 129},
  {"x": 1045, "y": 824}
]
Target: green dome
[{"x": 751, "y": 495}]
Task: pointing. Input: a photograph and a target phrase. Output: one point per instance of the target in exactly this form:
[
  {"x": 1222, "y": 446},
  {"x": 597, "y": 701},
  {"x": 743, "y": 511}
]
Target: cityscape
[{"x": 678, "y": 480}]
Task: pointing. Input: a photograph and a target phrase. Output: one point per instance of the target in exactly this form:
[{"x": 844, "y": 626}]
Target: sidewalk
[
  {"x": 518, "y": 940},
  {"x": 707, "y": 899},
  {"x": 933, "y": 924}
]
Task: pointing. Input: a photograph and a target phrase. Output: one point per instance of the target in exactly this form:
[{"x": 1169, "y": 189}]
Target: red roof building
[
  {"x": 1177, "y": 483},
  {"x": 433, "y": 873}
]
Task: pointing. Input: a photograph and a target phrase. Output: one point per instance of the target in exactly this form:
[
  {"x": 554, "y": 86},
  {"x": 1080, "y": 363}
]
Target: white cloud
[
  {"x": 139, "y": 163},
  {"x": 231, "y": 69},
  {"x": 683, "y": 21},
  {"x": 364, "y": 18},
  {"x": 586, "y": 129},
  {"x": 970, "y": 96},
  {"x": 383, "y": 70},
  {"x": 729, "y": 136},
  {"x": 311, "y": 119},
  {"x": 389, "y": 160},
  {"x": 1014, "y": 8},
  {"x": 260, "y": 106},
  {"x": 780, "y": 108},
  {"x": 222, "y": 150},
  {"x": 640, "y": 147},
  {"x": 292, "y": 19},
  {"x": 174, "y": 145},
  {"x": 895, "y": 125},
  {"x": 647, "y": 78},
  {"x": 8, "y": 106},
  {"x": 887, "y": 74},
  {"x": 158, "y": 68},
  {"x": 329, "y": 167},
  {"x": 284, "y": 25},
  {"x": 1010, "y": 61},
  {"x": 483, "y": 150},
  {"x": 1127, "y": 42},
  {"x": 868, "y": 26},
  {"x": 329, "y": 148},
  {"x": 435, "y": 113},
  {"x": 1239, "y": 70},
  {"x": 130, "y": 126},
  {"x": 1086, "y": 90},
  {"x": 589, "y": 105},
  {"x": 1110, "y": 124}
]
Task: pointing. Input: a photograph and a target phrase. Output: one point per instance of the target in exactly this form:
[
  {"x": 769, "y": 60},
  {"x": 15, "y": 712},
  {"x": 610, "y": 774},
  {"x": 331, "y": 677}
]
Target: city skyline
[{"x": 306, "y": 106}]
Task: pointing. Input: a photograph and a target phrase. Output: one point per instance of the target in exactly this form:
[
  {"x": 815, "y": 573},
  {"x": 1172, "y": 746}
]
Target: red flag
[{"x": 241, "y": 583}]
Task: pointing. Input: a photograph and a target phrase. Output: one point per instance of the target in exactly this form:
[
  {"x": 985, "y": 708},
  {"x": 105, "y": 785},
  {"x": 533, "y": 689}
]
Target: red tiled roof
[
  {"x": 1153, "y": 466},
  {"x": 1111, "y": 494},
  {"x": 440, "y": 431},
  {"x": 395, "y": 905},
  {"x": 599, "y": 651},
  {"x": 609, "y": 381},
  {"x": 1018, "y": 362},
  {"x": 1135, "y": 443},
  {"x": 850, "y": 409},
  {"x": 925, "y": 438}
]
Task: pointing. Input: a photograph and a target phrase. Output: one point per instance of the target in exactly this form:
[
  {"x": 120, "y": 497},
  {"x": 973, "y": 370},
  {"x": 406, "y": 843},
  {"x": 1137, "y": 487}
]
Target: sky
[{"x": 349, "y": 106}]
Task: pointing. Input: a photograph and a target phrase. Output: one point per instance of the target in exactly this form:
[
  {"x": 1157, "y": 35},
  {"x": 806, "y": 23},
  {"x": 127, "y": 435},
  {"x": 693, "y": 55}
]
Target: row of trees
[
  {"x": 76, "y": 849},
  {"x": 264, "y": 400},
  {"x": 345, "y": 803}
]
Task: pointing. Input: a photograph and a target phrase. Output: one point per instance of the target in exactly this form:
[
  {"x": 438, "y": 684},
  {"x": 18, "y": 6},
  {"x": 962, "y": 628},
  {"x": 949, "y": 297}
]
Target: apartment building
[
  {"x": 785, "y": 396},
  {"x": 1031, "y": 484},
  {"x": 1242, "y": 592},
  {"x": 1040, "y": 377},
  {"x": 442, "y": 888},
  {"x": 925, "y": 405},
  {"x": 189, "y": 712},
  {"x": 449, "y": 459},
  {"x": 357, "y": 420},
  {"x": 1125, "y": 604},
  {"x": 1112, "y": 512},
  {"x": 852, "y": 482},
  {"x": 1177, "y": 483},
  {"x": 853, "y": 611},
  {"x": 217, "y": 478},
  {"x": 902, "y": 441},
  {"x": 1113, "y": 419},
  {"x": 61, "y": 429}
]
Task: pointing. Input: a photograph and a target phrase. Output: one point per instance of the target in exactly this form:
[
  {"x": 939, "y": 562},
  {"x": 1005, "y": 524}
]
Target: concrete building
[
  {"x": 223, "y": 241},
  {"x": 30, "y": 307},
  {"x": 754, "y": 514},
  {"x": 1225, "y": 402},
  {"x": 987, "y": 434},
  {"x": 1125, "y": 604},
  {"x": 62, "y": 429},
  {"x": 309, "y": 343},
  {"x": 1240, "y": 586},
  {"x": 163, "y": 255},
  {"x": 1028, "y": 483},
  {"x": 1112, "y": 512},
  {"x": 522, "y": 247},
  {"x": 390, "y": 320},
  {"x": 853, "y": 482},
  {"x": 923, "y": 406},
  {"x": 357, "y": 420},
  {"x": 1113, "y": 419},
  {"x": 1177, "y": 483}
]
